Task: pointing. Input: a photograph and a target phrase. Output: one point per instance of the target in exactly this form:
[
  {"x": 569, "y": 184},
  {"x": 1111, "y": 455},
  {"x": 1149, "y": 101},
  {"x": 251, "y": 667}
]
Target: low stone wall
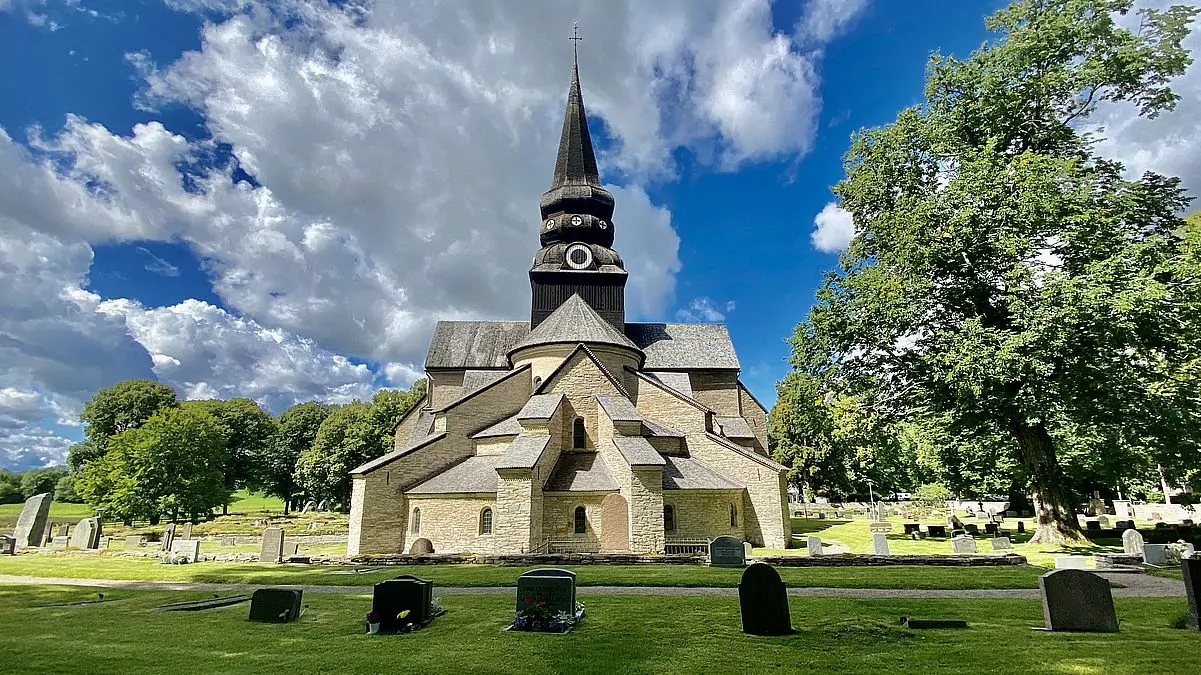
[
  {"x": 856, "y": 560},
  {"x": 592, "y": 559}
]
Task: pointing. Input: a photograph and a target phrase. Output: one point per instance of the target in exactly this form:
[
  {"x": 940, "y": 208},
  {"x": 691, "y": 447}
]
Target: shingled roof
[
  {"x": 506, "y": 427},
  {"x": 684, "y": 346},
  {"x": 575, "y": 322},
  {"x": 475, "y": 474},
  {"x": 474, "y": 344},
  {"x": 580, "y": 472},
  {"x": 685, "y": 473},
  {"x": 735, "y": 427}
]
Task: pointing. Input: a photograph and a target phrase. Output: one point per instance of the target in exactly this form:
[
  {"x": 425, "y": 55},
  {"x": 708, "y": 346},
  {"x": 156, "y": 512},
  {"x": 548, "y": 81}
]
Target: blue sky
[{"x": 278, "y": 201}]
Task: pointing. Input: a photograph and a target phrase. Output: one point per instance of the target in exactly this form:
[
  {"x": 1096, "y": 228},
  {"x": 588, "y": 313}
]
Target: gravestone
[
  {"x": 991, "y": 528},
  {"x": 133, "y": 541},
  {"x": 763, "y": 602},
  {"x": 746, "y": 549},
  {"x": 1123, "y": 525},
  {"x": 290, "y": 548},
  {"x": 185, "y": 531},
  {"x": 32, "y": 521},
  {"x": 936, "y": 530},
  {"x": 59, "y": 543},
  {"x": 880, "y": 526},
  {"x": 1075, "y": 600},
  {"x": 1132, "y": 542},
  {"x": 1191, "y": 567},
  {"x": 1001, "y": 544},
  {"x": 64, "y": 530},
  {"x": 814, "y": 544},
  {"x": 104, "y": 542},
  {"x": 168, "y": 537},
  {"x": 189, "y": 548},
  {"x": 958, "y": 533},
  {"x": 963, "y": 545},
  {"x": 1092, "y": 526},
  {"x": 727, "y": 552},
  {"x": 1011, "y": 514},
  {"x": 555, "y": 587},
  {"x": 421, "y": 546},
  {"x": 972, "y": 529},
  {"x": 1071, "y": 562},
  {"x": 981, "y": 515},
  {"x": 272, "y": 548},
  {"x": 86, "y": 534},
  {"x": 910, "y": 528},
  {"x": 8, "y": 545},
  {"x": 229, "y": 541},
  {"x": 1155, "y": 554},
  {"x": 1103, "y": 521},
  {"x": 880, "y": 544},
  {"x": 275, "y": 605},
  {"x": 391, "y": 598},
  {"x": 1021, "y": 527}
]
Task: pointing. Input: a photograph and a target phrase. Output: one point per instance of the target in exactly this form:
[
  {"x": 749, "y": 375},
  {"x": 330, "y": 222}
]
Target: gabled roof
[
  {"x": 653, "y": 428},
  {"x": 463, "y": 398},
  {"x": 505, "y": 427},
  {"x": 396, "y": 454},
  {"x": 685, "y": 473},
  {"x": 735, "y": 427},
  {"x": 580, "y": 472},
  {"x": 473, "y": 344},
  {"x": 575, "y": 322},
  {"x": 684, "y": 346},
  {"x": 638, "y": 451},
  {"x": 523, "y": 452},
  {"x": 678, "y": 381},
  {"x": 474, "y": 380},
  {"x": 474, "y": 474},
  {"x": 540, "y": 407},
  {"x": 587, "y": 352}
]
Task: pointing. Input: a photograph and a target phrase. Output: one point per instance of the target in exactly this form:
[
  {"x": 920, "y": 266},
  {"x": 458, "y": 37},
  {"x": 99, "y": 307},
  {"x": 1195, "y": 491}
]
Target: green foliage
[
  {"x": 249, "y": 432},
  {"x": 37, "y": 481},
  {"x": 113, "y": 410},
  {"x": 1004, "y": 279},
  {"x": 296, "y": 429},
  {"x": 64, "y": 490},
  {"x": 169, "y": 465},
  {"x": 10, "y": 488},
  {"x": 932, "y": 495}
]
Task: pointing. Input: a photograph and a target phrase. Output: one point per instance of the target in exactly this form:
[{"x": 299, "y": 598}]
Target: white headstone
[
  {"x": 880, "y": 544},
  {"x": 963, "y": 545},
  {"x": 1001, "y": 544},
  {"x": 1104, "y": 521},
  {"x": 1071, "y": 562},
  {"x": 815, "y": 545},
  {"x": 1132, "y": 542},
  {"x": 190, "y": 548}
]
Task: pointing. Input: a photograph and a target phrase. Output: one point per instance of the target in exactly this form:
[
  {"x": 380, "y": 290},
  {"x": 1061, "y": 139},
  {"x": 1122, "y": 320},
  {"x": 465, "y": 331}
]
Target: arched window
[
  {"x": 581, "y": 520},
  {"x": 669, "y": 518},
  {"x": 486, "y": 521},
  {"x": 416, "y": 521},
  {"x": 733, "y": 516},
  {"x": 578, "y": 436}
]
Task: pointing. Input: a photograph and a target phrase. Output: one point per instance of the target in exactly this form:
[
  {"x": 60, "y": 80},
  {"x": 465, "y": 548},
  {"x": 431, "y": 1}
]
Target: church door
[{"x": 615, "y": 525}]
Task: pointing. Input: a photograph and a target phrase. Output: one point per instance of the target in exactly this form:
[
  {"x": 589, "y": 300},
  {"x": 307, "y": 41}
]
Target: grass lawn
[
  {"x": 618, "y": 635},
  {"x": 114, "y": 567},
  {"x": 856, "y": 535}
]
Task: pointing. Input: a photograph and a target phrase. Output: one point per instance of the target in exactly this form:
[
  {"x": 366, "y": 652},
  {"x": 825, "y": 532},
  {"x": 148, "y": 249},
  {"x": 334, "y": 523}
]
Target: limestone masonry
[{"x": 575, "y": 431}]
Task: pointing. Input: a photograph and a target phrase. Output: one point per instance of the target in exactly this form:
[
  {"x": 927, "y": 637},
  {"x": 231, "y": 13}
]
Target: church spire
[{"x": 576, "y": 186}]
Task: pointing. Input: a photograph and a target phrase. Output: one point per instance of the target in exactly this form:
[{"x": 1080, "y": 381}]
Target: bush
[
  {"x": 64, "y": 491},
  {"x": 932, "y": 495}
]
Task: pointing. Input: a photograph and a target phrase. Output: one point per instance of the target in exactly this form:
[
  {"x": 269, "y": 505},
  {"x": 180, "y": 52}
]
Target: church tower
[{"x": 577, "y": 256}]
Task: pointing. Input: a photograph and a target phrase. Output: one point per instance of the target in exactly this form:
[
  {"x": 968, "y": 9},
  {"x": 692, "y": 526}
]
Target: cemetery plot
[
  {"x": 546, "y": 602},
  {"x": 401, "y": 605},
  {"x": 199, "y": 605},
  {"x": 763, "y": 602},
  {"x": 1079, "y": 601},
  {"x": 275, "y": 605}
]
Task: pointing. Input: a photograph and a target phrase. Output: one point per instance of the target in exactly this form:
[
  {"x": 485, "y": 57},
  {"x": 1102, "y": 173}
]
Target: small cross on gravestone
[{"x": 763, "y": 602}]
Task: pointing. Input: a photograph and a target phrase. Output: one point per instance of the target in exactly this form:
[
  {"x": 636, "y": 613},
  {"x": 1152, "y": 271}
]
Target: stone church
[{"x": 575, "y": 431}]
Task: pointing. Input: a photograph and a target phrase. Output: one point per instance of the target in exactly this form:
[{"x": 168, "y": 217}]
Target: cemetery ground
[{"x": 628, "y": 634}]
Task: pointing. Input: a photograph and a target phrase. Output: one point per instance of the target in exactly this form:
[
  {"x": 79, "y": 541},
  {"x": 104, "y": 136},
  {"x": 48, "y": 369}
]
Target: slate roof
[
  {"x": 684, "y": 346},
  {"x": 735, "y": 427},
  {"x": 580, "y": 472},
  {"x": 474, "y": 344},
  {"x": 523, "y": 452},
  {"x": 505, "y": 427},
  {"x": 410, "y": 447},
  {"x": 677, "y": 381},
  {"x": 540, "y": 407},
  {"x": 619, "y": 409},
  {"x": 422, "y": 427},
  {"x": 475, "y": 474},
  {"x": 653, "y": 428},
  {"x": 685, "y": 473},
  {"x": 574, "y": 322},
  {"x": 474, "y": 380},
  {"x": 638, "y": 451},
  {"x": 576, "y": 183}
]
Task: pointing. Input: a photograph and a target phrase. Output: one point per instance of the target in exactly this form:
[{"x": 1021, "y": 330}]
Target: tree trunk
[
  {"x": 225, "y": 509},
  {"x": 287, "y": 503},
  {"x": 1052, "y": 500}
]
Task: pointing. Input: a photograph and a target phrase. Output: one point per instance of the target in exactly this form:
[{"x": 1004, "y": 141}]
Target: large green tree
[
  {"x": 1001, "y": 273},
  {"x": 169, "y": 465},
  {"x": 296, "y": 429},
  {"x": 114, "y": 409},
  {"x": 249, "y": 433}
]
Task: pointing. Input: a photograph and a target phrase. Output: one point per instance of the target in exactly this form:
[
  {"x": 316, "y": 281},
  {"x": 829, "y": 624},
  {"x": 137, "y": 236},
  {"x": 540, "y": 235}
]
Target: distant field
[{"x": 9, "y": 513}]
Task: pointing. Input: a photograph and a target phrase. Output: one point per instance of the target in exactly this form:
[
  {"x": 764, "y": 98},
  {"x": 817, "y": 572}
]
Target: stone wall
[
  {"x": 754, "y": 414},
  {"x": 452, "y": 523},
  {"x": 513, "y": 502},
  {"x": 704, "y": 514},
  {"x": 444, "y": 387},
  {"x": 558, "y": 516},
  {"x": 765, "y": 514},
  {"x": 716, "y": 390},
  {"x": 646, "y": 510},
  {"x": 404, "y": 430}
]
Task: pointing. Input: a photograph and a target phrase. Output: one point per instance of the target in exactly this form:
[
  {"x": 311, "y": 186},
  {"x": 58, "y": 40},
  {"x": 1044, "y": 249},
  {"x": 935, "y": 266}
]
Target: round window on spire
[
  {"x": 550, "y": 223},
  {"x": 579, "y": 256},
  {"x": 602, "y": 224},
  {"x": 576, "y": 220}
]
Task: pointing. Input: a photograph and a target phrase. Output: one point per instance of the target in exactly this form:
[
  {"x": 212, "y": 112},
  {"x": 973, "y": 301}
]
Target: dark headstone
[
  {"x": 972, "y": 529},
  {"x": 763, "y": 602},
  {"x": 272, "y": 548},
  {"x": 1075, "y": 600},
  {"x": 421, "y": 546},
  {"x": 1123, "y": 525},
  {"x": 1092, "y": 525},
  {"x": 394, "y": 597},
  {"x": 1021, "y": 527},
  {"x": 550, "y": 586},
  {"x": 910, "y": 528},
  {"x": 275, "y": 605},
  {"x": 1187, "y": 522},
  {"x": 991, "y": 528},
  {"x": 958, "y": 533},
  {"x": 8, "y": 545},
  {"x": 1191, "y": 567},
  {"x": 168, "y": 537},
  {"x": 727, "y": 552},
  {"x": 32, "y": 521},
  {"x": 936, "y": 530}
]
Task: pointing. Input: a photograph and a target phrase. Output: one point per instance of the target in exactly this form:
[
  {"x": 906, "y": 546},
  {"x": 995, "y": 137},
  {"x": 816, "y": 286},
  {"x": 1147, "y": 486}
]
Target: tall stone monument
[{"x": 32, "y": 522}]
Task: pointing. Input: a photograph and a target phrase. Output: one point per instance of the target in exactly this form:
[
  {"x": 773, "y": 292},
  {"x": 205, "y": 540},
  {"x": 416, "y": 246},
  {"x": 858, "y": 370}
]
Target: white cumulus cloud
[{"x": 833, "y": 229}]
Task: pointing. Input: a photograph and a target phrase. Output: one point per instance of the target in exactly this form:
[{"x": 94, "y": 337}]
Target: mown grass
[
  {"x": 618, "y": 635},
  {"x": 857, "y": 536},
  {"x": 134, "y": 569}
]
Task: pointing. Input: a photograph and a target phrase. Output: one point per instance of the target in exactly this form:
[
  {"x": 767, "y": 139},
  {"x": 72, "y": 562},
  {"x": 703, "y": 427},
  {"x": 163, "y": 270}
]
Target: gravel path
[{"x": 1136, "y": 586}]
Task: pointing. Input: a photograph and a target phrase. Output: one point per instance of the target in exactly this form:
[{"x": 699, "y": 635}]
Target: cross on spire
[{"x": 575, "y": 40}]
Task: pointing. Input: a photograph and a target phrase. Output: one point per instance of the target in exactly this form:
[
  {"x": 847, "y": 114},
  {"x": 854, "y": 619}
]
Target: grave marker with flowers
[{"x": 546, "y": 602}]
